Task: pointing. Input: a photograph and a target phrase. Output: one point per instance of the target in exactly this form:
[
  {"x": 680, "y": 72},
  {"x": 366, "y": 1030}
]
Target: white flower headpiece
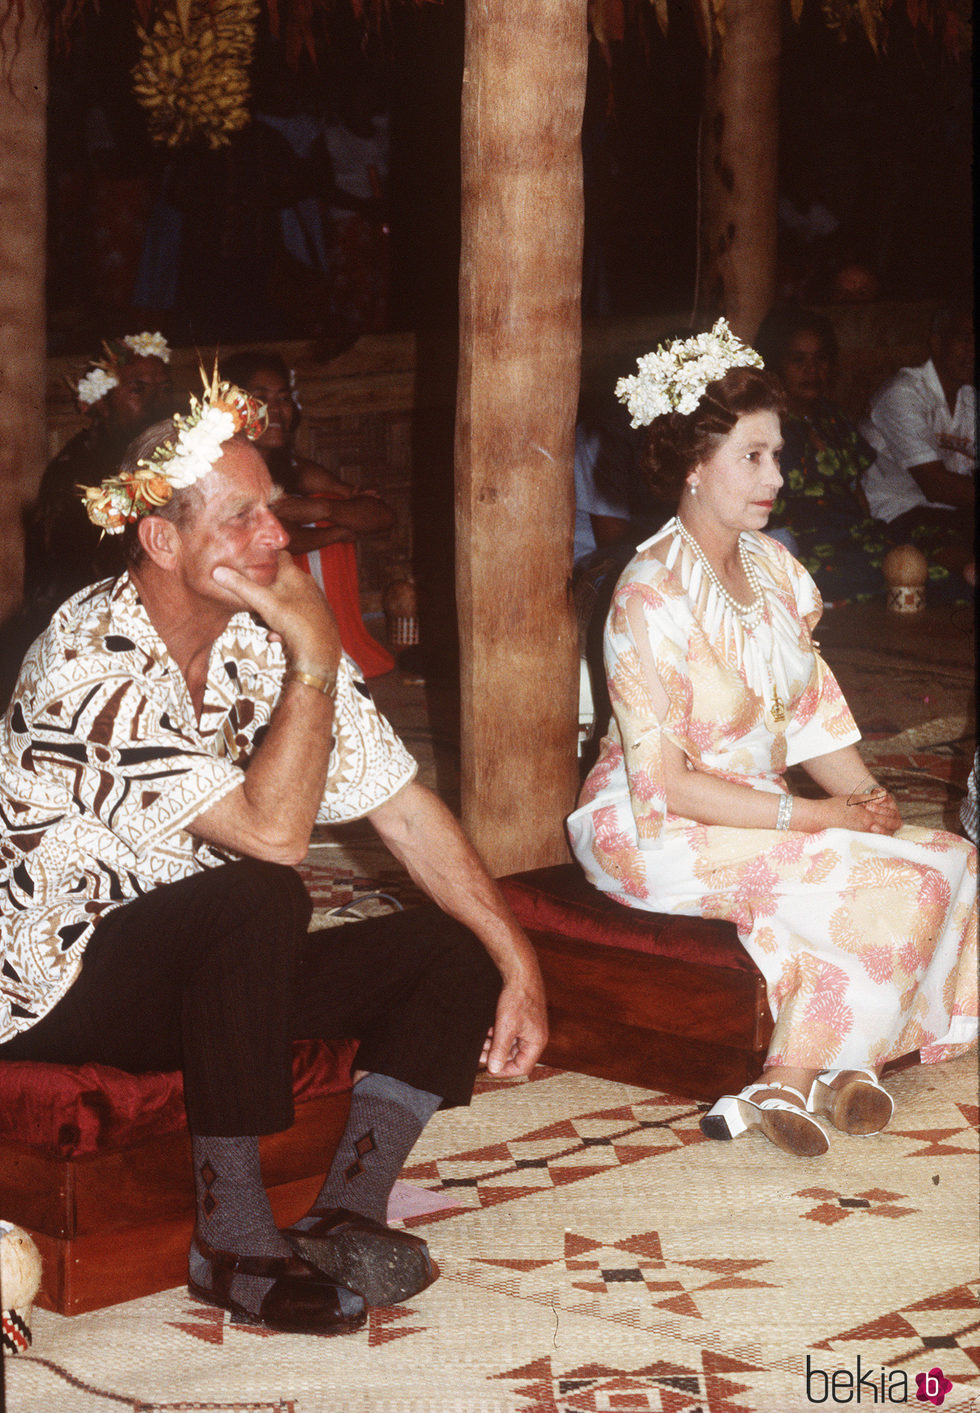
[
  {"x": 222, "y": 411},
  {"x": 94, "y": 386},
  {"x": 103, "y": 375},
  {"x": 147, "y": 345},
  {"x": 674, "y": 378}
]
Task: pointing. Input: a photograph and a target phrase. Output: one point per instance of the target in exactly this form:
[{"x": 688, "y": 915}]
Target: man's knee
[
  {"x": 255, "y": 915},
  {"x": 474, "y": 972},
  {"x": 253, "y": 889}
]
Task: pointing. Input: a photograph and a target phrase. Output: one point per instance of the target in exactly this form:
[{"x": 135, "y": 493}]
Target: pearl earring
[{"x": 692, "y": 488}]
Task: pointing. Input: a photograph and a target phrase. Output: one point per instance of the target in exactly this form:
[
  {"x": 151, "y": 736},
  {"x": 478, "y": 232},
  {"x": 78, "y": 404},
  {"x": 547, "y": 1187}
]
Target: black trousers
[{"x": 216, "y": 975}]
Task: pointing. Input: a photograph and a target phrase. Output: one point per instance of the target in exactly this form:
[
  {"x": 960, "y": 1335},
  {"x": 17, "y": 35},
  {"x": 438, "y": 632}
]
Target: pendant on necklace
[{"x": 777, "y": 713}]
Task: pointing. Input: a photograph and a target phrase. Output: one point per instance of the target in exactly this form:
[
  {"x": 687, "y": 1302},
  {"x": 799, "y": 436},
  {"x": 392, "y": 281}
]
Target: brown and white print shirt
[{"x": 103, "y": 764}]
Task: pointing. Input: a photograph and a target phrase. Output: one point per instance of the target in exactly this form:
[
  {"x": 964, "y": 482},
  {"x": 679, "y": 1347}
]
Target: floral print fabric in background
[
  {"x": 823, "y": 459},
  {"x": 838, "y": 542}
]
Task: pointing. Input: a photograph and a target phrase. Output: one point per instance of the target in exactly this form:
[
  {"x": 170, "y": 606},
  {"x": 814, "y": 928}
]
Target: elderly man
[
  {"x": 171, "y": 742},
  {"x": 922, "y": 425}
]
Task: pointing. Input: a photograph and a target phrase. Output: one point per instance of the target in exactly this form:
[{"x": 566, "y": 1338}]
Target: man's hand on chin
[{"x": 294, "y": 609}]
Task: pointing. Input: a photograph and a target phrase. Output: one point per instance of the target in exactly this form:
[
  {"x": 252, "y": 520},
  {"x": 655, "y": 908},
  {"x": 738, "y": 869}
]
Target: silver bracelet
[{"x": 784, "y": 812}]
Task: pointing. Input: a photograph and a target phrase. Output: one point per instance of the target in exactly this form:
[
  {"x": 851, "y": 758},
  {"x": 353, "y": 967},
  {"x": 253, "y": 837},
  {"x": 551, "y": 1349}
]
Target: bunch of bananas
[
  {"x": 192, "y": 75},
  {"x": 844, "y": 15}
]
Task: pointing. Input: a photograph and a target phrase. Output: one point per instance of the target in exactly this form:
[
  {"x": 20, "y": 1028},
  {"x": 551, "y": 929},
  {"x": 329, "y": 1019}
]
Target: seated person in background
[
  {"x": 922, "y": 426},
  {"x": 63, "y": 551},
  {"x": 864, "y": 930},
  {"x": 172, "y": 740},
  {"x": 122, "y": 394},
  {"x": 324, "y": 516},
  {"x": 603, "y": 471},
  {"x": 820, "y": 513}
]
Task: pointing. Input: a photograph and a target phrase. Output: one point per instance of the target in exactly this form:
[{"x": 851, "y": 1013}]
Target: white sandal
[
  {"x": 860, "y": 1106},
  {"x": 787, "y": 1125}
]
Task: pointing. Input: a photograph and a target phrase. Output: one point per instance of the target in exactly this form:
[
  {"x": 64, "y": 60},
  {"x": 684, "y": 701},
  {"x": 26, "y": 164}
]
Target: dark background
[{"x": 884, "y": 142}]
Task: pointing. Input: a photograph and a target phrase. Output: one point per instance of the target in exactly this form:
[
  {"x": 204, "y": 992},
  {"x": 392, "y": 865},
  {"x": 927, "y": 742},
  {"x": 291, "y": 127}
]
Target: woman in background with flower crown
[
  {"x": 323, "y": 515},
  {"x": 864, "y": 930},
  {"x": 121, "y": 393}
]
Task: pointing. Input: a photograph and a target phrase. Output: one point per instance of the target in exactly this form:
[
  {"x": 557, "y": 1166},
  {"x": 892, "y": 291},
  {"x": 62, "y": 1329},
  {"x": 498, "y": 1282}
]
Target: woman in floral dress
[{"x": 864, "y": 929}]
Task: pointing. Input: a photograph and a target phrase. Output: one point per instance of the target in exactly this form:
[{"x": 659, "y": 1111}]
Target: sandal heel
[
  {"x": 724, "y": 1119},
  {"x": 789, "y": 1126},
  {"x": 861, "y": 1106}
]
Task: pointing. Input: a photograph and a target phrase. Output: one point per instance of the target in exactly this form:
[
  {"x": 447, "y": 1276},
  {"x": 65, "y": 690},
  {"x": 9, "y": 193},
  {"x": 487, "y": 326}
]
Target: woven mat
[
  {"x": 601, "y": 1255},
  {"x": 926, "y": 768}
]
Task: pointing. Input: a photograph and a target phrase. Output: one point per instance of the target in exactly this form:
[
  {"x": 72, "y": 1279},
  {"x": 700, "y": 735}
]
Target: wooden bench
[
  {"x": 96, "y": 1165},
  {"x": 663, "y": 1001}
]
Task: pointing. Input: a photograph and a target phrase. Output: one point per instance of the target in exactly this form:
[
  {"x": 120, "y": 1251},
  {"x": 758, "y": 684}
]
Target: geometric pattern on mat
[
  {"x": 833, "y": 1206},
  {"x": 557, "y": 1154},
  {"x": 944, "y": 1326},
  {"x": 602, "y": 1257}
]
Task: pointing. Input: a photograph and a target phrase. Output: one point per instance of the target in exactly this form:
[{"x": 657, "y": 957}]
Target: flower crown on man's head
[
  {"x": 222, "y": 412},
  {"x": 103, "y": 375},
  {"x": 674, "y": 378}
]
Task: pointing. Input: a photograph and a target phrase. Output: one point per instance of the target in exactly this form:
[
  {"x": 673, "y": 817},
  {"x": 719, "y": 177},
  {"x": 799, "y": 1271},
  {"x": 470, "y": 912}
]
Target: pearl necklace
[{"x": 751, "y": 614}]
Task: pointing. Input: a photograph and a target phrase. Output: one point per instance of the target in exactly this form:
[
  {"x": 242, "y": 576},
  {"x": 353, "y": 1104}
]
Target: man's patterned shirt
[{"x": 103, "y": 764}]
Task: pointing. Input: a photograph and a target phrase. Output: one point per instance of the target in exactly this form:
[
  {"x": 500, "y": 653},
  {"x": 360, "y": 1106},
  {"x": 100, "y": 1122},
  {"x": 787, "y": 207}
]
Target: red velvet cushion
[
  {"x": 67, "y": 1110},
  {"x": 560, "y": 901}
]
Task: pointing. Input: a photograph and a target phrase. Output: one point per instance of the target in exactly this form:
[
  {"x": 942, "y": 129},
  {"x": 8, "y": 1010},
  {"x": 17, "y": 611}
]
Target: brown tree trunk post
[
  {"x": 520, "y": 340},
  {"x": 23, "y": 101},
  {"x": 739, "y": 167}
]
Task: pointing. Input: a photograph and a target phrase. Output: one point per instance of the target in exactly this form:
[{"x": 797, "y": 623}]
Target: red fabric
[
  {"x": 67, "y": 1110},
  {"x": 559, "y": 900},
  {"x": 338, "y": 566}
]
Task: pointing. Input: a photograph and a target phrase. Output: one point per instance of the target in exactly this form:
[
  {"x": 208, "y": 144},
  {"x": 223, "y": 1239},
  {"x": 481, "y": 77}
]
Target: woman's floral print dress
[{"x": 867, "y": 942}]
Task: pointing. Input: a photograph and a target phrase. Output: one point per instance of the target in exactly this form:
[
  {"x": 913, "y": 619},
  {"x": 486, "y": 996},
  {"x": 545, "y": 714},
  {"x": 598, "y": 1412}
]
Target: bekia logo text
[{"x": 870, "y": 1384}]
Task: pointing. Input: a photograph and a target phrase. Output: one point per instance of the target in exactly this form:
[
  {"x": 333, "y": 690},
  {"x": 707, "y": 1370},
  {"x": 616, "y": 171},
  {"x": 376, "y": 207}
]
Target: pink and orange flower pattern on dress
[{"x": 868, "y": 943}]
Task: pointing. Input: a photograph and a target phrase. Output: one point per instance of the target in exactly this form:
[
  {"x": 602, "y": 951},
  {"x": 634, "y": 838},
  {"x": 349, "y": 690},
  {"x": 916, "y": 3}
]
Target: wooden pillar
[
  {"x": 739, "y": 167},
  {"x": 520, "y": 341},
  {"x": 23, "y": 102}
]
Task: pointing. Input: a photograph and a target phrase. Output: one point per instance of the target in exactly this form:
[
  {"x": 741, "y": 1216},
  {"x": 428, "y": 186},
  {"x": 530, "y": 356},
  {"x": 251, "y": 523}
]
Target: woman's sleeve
[
  {"x": 822, "y": 721},
  {"x": 638, "y": 662}
]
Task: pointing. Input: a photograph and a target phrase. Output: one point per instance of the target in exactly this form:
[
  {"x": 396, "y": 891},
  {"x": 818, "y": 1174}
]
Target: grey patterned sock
[
  {"x": 233, "y": 1212},
  {"x": 385, "y": 1120}
]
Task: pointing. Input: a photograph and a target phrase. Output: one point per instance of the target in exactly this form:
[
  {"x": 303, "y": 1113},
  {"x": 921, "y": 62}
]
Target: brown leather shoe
[
  {"x": 300, "y": 1301},
  {"x": 381, "y": 1264}
]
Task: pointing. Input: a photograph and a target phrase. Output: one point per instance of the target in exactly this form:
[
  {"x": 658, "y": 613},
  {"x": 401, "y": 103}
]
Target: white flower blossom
[
  {"x": 94, "y": 386},
  {"x": 199, "y": 446},
  {"x": 674, "y": 378},
  {"x": 147, "y": 345}
]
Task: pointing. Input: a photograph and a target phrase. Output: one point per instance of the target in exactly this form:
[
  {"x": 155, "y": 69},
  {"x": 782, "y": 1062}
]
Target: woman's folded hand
[{"x": 875, "y": 813}]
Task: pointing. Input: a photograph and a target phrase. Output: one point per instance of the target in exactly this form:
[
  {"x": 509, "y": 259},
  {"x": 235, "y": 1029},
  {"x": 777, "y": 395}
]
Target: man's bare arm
[
  {"x": 940, "y": 485},
  {"x": 271, "y": 814},
  {"x": 423, "y": 835}
]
